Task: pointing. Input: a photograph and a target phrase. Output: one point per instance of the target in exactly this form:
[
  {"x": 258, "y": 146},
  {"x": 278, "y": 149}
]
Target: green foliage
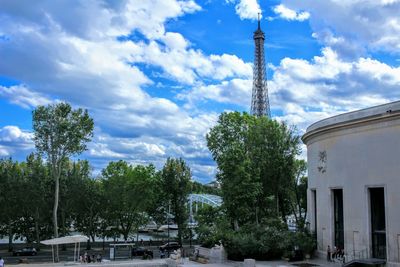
[
  {"x": 23, "y": 194},
  {"x": 199, "y": 188},
  {"x": 129, "y": 195},
  {"x": 261, "y": 243},
  {"x": 212, "y": 224},
  {"x": 262, "y": 183},
  {"x": 60, "y": 132},
  {"x": 256, "y": 163},
  {"x": 175, "y": 180},
  {"x": 304, "y": 241}
]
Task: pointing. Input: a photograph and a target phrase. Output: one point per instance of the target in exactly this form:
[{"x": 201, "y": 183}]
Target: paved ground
[{"x": 186, "y": 263}]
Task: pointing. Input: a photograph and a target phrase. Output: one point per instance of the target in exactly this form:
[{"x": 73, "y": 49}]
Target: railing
[{"x": 356, "y": 255}]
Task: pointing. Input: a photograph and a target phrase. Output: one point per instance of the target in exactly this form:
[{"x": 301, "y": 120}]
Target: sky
[{"x": 156, "y": 74}]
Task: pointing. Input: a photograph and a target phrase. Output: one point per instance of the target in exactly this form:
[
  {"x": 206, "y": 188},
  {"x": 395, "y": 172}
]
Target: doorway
[
  {"x": 378, "y": 222},
  {"x": 338, "y": 217}
]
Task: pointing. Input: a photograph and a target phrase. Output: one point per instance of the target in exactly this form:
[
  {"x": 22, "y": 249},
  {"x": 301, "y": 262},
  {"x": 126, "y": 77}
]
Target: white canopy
[
  {"x": 65, "y": 240},
  {"x": 73, "y": 239}
]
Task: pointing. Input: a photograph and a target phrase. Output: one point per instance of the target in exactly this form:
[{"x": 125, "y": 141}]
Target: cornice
[{"x": 339, "y": 122}]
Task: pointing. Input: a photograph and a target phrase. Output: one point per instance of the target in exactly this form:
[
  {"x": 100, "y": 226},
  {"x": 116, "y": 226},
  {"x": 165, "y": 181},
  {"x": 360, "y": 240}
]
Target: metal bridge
[{"x": 196, "y": 199}]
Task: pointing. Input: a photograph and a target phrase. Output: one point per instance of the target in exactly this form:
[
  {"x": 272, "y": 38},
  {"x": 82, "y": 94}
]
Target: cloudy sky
[{"x": 155, "y": 74}]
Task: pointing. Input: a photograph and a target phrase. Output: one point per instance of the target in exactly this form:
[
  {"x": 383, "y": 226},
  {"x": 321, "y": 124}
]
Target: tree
[
  {"x": 129, "y": 194},
  {"x": 60, "y": 132},
  {"x": 10, "y": 177},
  {"x": 298, "y": 201},
  {"x": 255, "y": 158},
  {"x": 176, "y": 177},
  {"x": 35, "y": 200}
]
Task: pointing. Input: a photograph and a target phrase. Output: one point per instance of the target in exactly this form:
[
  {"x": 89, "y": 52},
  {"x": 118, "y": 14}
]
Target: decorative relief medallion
[{"x": 322, "y": 161}]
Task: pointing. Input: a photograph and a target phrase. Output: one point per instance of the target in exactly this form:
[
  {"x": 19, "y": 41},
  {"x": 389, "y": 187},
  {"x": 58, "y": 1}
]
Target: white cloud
[
  {"x": 10, "y": 134},
  {"x": 307, "y": 91},
  {"x": 235, "y": 91},
  {"x": 15, "y": 141},
  {"x": 248, "y": 9},
  {"x": 4, "y": 152},
  {"x": 290, "y": 14},
  {"x": 187, "y": 65},
  {"x": 22, "y": 96},
  {"x": 81, "y": 61},
  {"x": 353, "y": 26}
]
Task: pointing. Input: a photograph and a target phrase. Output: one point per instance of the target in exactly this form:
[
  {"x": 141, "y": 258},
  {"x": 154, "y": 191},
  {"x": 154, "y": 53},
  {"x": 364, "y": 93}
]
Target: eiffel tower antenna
[{"x": 259, "y": 100}]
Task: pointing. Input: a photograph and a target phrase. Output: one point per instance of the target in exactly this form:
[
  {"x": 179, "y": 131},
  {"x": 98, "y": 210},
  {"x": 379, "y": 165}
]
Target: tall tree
[
  {"x": 60, "y": 132},
  {"x": 36, "y": 201},
  {"x": 11, "y": 176},
  {"x": 255, "y": 157},
  {"x": 129, "y": 194},
  {"x": 298, "y": 201},
  {"x": 176, "y": 177}
]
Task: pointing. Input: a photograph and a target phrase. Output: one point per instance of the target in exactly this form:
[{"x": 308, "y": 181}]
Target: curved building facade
[{"x": 354, "y": 182}]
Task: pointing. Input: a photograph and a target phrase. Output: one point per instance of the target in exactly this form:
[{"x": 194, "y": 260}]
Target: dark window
[
  {"x": 378, "y": 223},
  {"x": 314, "y": 197},
  {"x": 338, "y": 217}
]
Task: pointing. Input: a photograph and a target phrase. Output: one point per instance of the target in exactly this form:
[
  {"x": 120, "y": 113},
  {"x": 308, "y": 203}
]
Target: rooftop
[{"x": 354, "y": 117}]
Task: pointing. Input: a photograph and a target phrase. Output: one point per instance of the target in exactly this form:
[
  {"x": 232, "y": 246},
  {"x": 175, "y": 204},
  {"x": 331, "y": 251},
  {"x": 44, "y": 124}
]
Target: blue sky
[{"x": 156, "y": 74}]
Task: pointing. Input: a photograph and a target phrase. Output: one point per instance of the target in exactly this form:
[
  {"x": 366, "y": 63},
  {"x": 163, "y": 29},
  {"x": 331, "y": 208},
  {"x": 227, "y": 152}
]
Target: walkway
[{"x": 187, "y": 263}]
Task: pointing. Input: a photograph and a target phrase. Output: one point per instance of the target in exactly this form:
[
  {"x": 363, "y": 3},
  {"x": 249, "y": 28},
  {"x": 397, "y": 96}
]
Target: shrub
[
  {"x": 303, "y": 241},
  {"x": 261, "y": 243}
]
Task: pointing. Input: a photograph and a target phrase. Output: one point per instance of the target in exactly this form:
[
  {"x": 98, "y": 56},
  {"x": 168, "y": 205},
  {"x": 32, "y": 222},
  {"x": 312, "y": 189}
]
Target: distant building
[{"x": 354, "y": 182}]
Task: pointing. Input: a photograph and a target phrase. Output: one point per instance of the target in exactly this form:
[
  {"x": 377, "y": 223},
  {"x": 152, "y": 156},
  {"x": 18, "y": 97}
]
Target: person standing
[
  {"x": 328, "y": 253},
  {"x": 1, "y": 262}
]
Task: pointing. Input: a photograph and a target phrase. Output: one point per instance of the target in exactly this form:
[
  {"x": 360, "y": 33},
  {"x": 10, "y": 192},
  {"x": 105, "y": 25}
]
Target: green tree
[
  {"x": 36, "y": 187},
  {"x": 176, "y": 177},
  {"x": 199, "y": 188},
  {"x": 298, "y": 201},
  {"x": 240, "y": 190},
  {"x": 10, "y": 179},
  {"x": 256, "y": 164},
  {"x": 60, "y": 132},
  {"x": 129, "y": 194}
]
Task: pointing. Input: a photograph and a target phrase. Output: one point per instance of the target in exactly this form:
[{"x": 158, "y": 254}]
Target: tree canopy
[
  {"x": 256, "y": 164},
  {"x": 176, "y": 179},
  {"x": 60, "y": 132}
]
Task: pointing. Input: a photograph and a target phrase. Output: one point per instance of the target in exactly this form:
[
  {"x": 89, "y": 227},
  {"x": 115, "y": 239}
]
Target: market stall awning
[
  {"x": 73, "y": 239},
  {"x": 65, "y": 240}
]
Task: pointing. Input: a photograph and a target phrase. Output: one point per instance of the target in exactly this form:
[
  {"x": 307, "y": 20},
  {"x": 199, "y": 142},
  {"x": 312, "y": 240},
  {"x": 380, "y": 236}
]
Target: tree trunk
[
  {"x": 236, "y": 225},
  {"x": 55, "y": 208},
  {"x": 88, "y": 245},
  {"x": 64, "y": 232},
  {"x": 37, "y": 228},
  {"x": 10, "y": 238}
]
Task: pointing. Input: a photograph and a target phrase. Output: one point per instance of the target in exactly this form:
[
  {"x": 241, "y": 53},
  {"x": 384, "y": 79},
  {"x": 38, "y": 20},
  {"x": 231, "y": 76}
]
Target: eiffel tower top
[
  {"x": 259, "y": 100},
  {"x": 259, "y": 33}
]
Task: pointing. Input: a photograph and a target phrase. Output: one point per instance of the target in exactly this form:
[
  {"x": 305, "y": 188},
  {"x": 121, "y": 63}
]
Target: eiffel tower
[{"x": 259, "y": 99}]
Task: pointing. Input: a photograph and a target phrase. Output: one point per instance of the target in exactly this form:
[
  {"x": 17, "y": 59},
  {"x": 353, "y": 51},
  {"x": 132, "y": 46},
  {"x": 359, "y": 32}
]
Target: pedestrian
[
  {"x": 150, "y": 242},
  {"x": 1, "y": 262},
  {"x": 328, "y": 253},
  {"x": 141, "y": 242},
  {"x": 334, "y": 252}
]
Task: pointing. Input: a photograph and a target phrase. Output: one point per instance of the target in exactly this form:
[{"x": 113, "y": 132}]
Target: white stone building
[{"x": 354, "y": 182}]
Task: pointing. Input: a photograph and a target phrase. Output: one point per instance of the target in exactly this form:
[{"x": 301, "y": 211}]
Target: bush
[
  {"x": 300, "y": 243},
  {"x": 260, "y": 243}
]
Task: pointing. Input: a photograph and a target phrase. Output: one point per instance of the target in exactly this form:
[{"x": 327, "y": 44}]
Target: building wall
[{"x": 359, "y": 154}]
